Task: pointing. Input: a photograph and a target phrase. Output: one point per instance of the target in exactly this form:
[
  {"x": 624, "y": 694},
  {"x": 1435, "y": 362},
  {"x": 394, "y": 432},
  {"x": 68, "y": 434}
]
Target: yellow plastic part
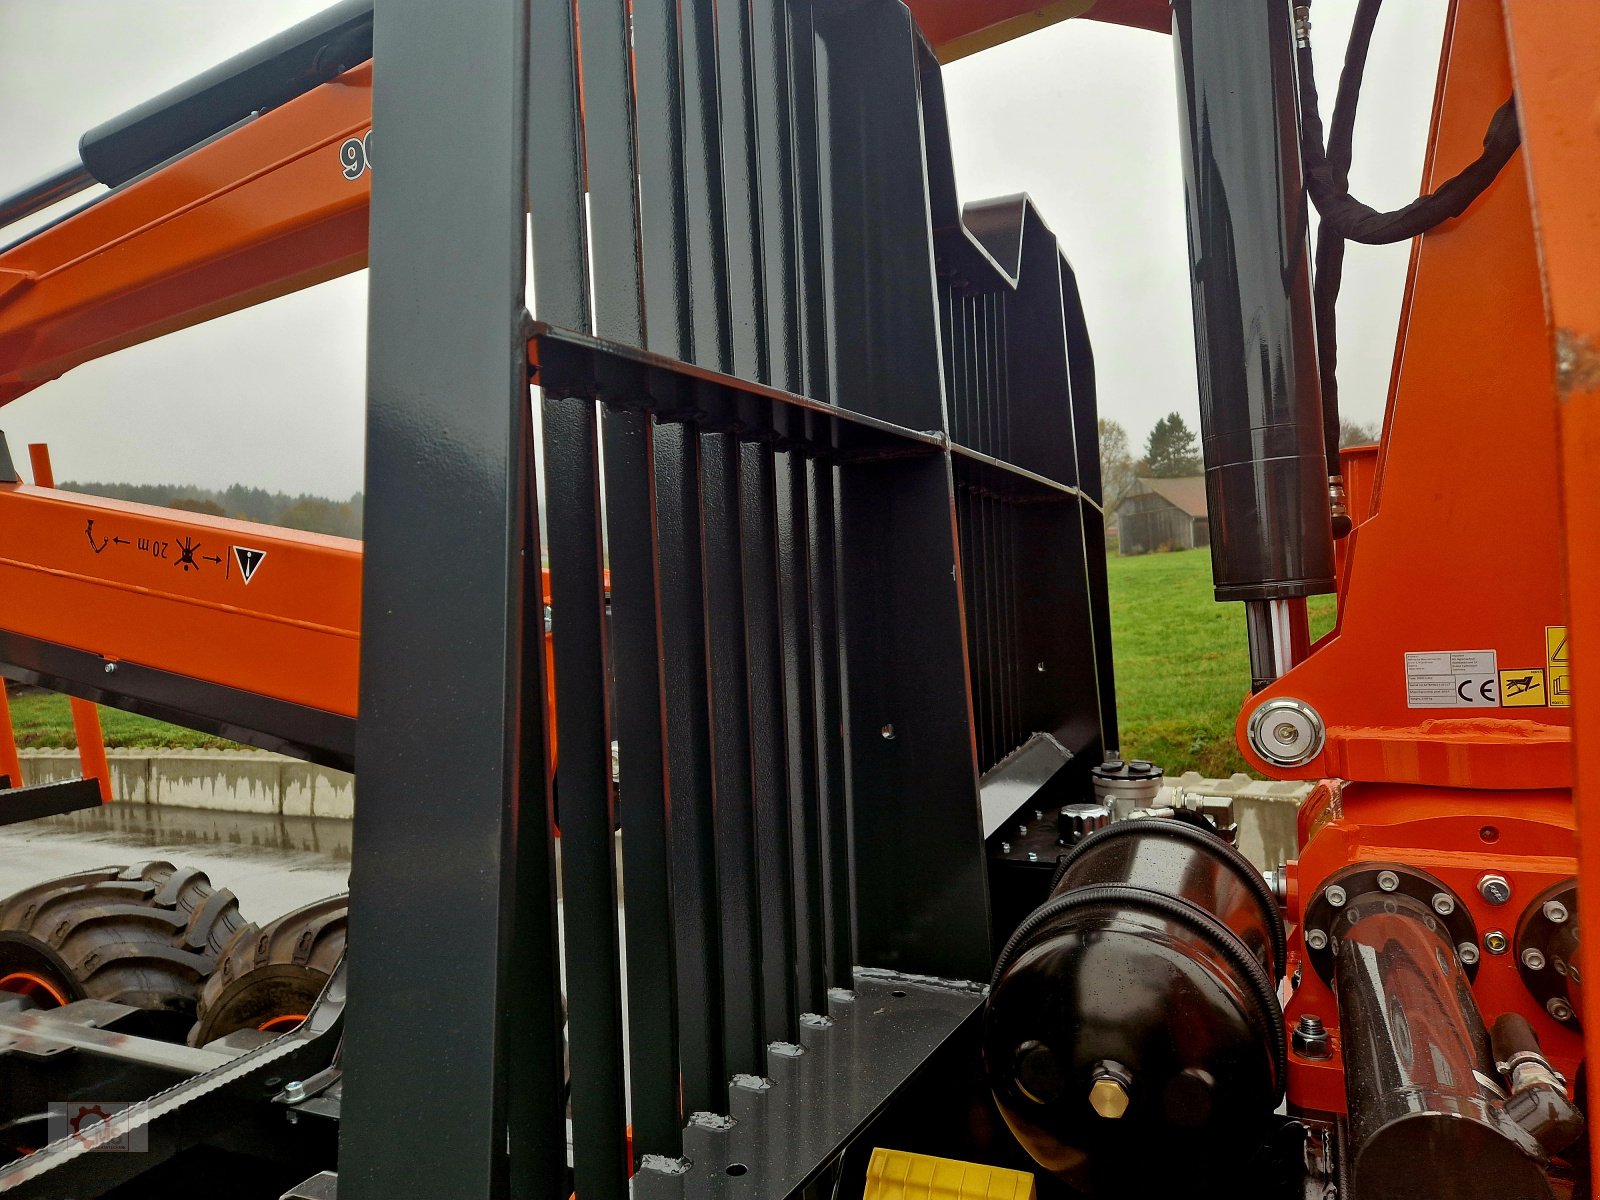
[{"x": 899, "y": 1175}]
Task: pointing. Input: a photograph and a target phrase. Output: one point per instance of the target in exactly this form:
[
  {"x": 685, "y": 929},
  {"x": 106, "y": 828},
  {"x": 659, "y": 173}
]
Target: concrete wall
[
  {"x": 248, "y": 781},
  {"x": 221, "y": 780}
]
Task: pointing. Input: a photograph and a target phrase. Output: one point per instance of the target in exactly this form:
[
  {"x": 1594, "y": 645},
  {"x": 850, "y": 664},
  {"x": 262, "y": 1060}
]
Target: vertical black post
[
  {"x": 696, "y": 908},
  {"x": 726, "y": 660},
  {"x": 437, "y": 839},
  {"x": 629, "y": 453},
  {"x": 768, "y": 741},
  {"x": 838, "y": 851},
  {"x": 741, "y": 190},
  {"x": 799, "y": 707},
  {"x": 908, "y": 716},
  {"x": 555, "y": 188},
  {"x": 675, "y": 199}
]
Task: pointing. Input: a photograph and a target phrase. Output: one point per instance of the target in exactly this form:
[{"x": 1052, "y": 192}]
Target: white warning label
[{"x": 1452, "y": 679}]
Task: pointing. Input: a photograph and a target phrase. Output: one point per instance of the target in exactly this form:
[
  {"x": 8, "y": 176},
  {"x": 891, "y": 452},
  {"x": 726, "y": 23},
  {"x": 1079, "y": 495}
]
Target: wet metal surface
[{"x": 273, "y": 864}]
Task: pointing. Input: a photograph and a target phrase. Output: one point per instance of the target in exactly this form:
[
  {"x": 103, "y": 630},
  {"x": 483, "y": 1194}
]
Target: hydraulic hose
[{"x": 1327, "y": 176}]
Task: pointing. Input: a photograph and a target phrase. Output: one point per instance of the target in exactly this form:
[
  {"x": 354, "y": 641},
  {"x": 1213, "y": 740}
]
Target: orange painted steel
[
  {"x": 258, "y": 213},
  {"x": 1555, "y": 48},
  {"x": 164, "y": 589},
  {"x": 1526, "y": 837},
  {"x": 270, "y": 209},
  {"x": 1490, "y": 437},
  {"x": 1452, "y": 557},
  {"x": 10, "y": 760},
  {"x": 86, "y": 727}
]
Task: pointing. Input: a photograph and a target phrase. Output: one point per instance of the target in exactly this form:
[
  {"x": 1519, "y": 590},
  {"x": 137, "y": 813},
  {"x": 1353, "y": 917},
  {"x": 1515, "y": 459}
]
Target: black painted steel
[
  {"x": 907, "y": 734},
  {"x": 534, "y": 1048},
  {"x": 636, "y": 658},
  {"x": 447, "y": 388},
  {"x": 1419, "y": 1071},
  {"x": 46, "y": 799},
  {"x": 8, "y": 469},
  {"x": 810, "y": 584},
  {"x": 556, "y": 183},
  {"x": 800, "y": 732},
  {"x": 741, "y": 198},
  {"x": 627, "y": 436},
  {"x": 703, "y": 193},
  {"x": 312, "y": 734},
  {"x": 743, "y": 1042},
  {"x": 758, "y": 526},
  {"x": 833, "y": 815},
  {"x": 774, "y": 128},
  {"x": 686, "y": 703},
  {"x": 1260, "y": 404},
  {"x": 882, "y": 1041},
  {"x": 263, "y": 77},
  {"x": 587, "y": 812}
]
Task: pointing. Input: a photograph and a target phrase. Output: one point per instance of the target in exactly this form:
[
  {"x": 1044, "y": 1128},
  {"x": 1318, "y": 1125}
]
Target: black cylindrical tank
[
  {"x": 1250, "y": 271},
  {"x": 1425, "y": 1105},
  {"x": 1135, "y": 1010}
]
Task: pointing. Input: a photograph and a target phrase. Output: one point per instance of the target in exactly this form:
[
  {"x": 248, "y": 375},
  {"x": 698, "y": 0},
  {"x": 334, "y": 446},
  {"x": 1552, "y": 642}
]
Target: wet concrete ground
[{"x": 273, "y": 864}]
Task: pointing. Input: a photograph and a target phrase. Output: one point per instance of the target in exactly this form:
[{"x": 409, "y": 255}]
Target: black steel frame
[
  {"x": 820, "y": 508},
  {"x": 821, "y": 489}
]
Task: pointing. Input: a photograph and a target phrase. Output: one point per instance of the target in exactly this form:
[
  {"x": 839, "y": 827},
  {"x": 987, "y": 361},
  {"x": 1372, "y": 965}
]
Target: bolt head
[
  {"x": 1335, "y": 895},
  {"x": 1022, "y": 831},
  {"x": 1005, "y": 847},
  {"x": 1496, "y": 942},
  {"x": 1108, "y": 1098},
  {"x": 1311, "y": 1038},
  {"x": 1444, "y": 903},
  {"x": 1033, "y": 856},
  {"x": 1533, "y": 959},
  {"x": 1496, "y": 889},
  {"x": 888, "y": 733},
  {"x": 1467, "y": 953},
  {"x": 1316, "y": 939},
  {"x": 1286, "y": 733},
  {"x": 1559, "y": 1009},
  {"x": 1388, "y": 881},
  {"x": 1555, "y": 912}
]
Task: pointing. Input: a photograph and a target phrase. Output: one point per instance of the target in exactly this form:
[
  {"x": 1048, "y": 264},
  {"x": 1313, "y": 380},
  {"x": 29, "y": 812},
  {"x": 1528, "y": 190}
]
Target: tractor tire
[
  {"x": 145, "y": 935},
  {"x": 269, "y": 977}
]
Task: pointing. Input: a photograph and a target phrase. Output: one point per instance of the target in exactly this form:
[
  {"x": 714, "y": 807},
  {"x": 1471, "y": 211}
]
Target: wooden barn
[{"x": 1164, "y": 514}]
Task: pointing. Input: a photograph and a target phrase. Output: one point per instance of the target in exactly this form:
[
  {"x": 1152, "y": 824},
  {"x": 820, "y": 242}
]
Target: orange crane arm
[{"x": 276, "y": 205}]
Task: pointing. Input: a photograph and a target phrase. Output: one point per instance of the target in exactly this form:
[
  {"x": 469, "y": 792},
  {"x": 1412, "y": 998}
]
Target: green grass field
[
  {"x": 1182, "y": 672},
  {"x": 43, "y": 721},
  {"x": 1183, "y": 668}
]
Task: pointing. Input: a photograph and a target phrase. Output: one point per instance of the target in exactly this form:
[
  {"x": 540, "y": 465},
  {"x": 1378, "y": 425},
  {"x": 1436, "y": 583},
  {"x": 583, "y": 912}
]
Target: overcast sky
[{"x": 1081, "y": 116}]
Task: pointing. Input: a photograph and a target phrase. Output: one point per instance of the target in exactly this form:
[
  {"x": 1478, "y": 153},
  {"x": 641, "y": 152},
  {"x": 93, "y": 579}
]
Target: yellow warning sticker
[
  {"x": 1559, "y": 663},
  {"x": 1523, "y": 688},
  {"x": 1555, "y": 645}
]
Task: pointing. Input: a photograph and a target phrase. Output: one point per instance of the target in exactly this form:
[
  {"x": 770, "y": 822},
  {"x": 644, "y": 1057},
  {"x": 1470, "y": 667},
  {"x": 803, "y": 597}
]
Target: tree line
[
  {"x": 1171, "y": 452},
  {"x": 314, "y": 514}
]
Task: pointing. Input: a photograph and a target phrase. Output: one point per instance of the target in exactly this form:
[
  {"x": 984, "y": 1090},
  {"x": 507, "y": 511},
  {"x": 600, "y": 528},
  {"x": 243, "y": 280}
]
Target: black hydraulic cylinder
[
  {"x": 1426, "y": 1118},
  {"x": 265, "y": 76},
  {"x": 1250, "y": 272}
]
